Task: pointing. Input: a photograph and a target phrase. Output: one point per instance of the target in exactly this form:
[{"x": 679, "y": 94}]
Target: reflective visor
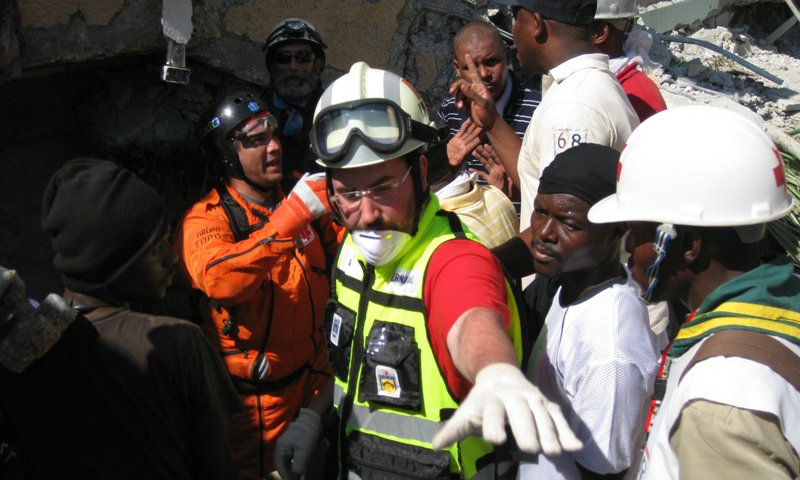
[{"x": 380, "y": 125}]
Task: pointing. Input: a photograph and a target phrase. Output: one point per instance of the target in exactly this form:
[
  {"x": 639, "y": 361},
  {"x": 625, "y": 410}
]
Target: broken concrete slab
[{"x": 667, "y": 16}]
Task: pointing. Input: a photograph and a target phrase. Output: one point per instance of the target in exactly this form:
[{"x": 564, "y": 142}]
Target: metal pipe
[{"x": 722, "y": 51}]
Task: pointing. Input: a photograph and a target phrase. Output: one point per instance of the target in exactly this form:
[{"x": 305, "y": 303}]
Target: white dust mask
[{"x": 379, "y": 247}]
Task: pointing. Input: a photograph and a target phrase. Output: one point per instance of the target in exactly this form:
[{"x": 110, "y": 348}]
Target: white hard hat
[
  {"x": 697, "y": 165},
  {"x": 369, "y": 116},
  {"x": 609, "y": 9}
]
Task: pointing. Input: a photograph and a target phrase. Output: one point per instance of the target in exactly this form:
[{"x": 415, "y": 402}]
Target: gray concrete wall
[{"x": 410, "y": 37}]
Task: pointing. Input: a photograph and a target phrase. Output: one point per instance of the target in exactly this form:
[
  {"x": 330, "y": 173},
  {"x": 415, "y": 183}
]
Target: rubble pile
[{"x": 689, "y": 73}]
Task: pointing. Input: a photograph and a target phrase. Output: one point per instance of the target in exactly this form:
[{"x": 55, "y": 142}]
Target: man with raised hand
[{"x": 583, "y": 104}]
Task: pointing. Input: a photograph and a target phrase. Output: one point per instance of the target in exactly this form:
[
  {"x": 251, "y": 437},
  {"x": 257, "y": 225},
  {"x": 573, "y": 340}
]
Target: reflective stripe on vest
[{"x": 376, "y": 420}]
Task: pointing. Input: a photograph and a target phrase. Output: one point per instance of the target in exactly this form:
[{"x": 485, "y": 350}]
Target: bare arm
[
  {"x": 478, "y": 339},
  {"x": 483, "y": 353}
]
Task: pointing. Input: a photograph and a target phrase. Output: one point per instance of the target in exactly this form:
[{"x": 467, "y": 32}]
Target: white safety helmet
[
  {"x": 701, "y": 166},
  {"x": 609, "y": 9},
  {"x": 369, "y": 116}
]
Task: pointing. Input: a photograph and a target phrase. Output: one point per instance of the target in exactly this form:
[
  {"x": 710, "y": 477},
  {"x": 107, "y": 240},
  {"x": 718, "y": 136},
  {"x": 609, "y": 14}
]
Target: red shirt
[
  {"x": 642, "y": 91},
  {"x": 461, "y": 275}
]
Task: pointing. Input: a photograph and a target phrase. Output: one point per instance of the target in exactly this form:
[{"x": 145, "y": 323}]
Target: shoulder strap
[
  {"x": 754, "y": 346},
  {"x": 455, "y": 223},
  {"x": 236, "y": 215}
]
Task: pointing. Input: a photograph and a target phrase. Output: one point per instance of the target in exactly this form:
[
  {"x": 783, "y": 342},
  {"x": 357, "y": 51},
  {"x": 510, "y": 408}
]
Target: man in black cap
[
  {"x": 295, "y": 57},
  {"x": 583, "y": 102},
  {"x": 595, "y": 356},
  {"x": 122, "y": 394}
]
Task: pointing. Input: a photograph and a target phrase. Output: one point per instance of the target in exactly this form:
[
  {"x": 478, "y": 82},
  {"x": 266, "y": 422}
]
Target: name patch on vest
[
  {"x": 388, "y": 381},
  {"x": 404, "y": 282},
  {"x": 336, "y": 326}
]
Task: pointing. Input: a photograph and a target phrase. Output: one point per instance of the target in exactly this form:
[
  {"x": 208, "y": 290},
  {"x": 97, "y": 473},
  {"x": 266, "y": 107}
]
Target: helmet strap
[
  {"x": 664, "y": 234},
  {"x": 236, "y": 171},
  {"x": 258, "y": 187}
]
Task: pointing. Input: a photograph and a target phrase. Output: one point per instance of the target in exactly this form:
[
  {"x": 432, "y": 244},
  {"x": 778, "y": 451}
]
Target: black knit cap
[
  {"x": 101, "y": 219},
  {"x": 571, "y": 12},
  {"x": 588, "y": 171}
]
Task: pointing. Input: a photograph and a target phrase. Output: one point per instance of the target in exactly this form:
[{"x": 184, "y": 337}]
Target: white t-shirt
[
  {"x": 584, "y": 104},
  {"x": 599, "y": 365}
]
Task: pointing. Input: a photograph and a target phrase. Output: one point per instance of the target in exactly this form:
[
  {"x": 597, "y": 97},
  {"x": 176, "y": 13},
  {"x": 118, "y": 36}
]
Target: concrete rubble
[{"x": 690, "y": 73}]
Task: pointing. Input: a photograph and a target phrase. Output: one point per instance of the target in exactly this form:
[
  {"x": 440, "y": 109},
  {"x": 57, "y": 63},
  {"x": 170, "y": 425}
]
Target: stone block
[
  {"x": 789, "y": 105},
  {"x": 46, "y": 13},
  {"x": 354, "y": 30}
]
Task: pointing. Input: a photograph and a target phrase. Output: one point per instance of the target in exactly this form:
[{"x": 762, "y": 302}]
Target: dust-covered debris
[{"x": 689, "y": 73}]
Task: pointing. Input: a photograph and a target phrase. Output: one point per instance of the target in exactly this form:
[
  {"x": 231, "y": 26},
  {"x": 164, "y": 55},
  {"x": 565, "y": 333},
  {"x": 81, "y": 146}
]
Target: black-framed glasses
[
  {"x": 349, "y": 201},
  {"x": 285, "y": 58}
]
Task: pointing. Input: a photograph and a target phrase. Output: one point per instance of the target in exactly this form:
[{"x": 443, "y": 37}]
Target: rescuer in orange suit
[{"x": 259, "y": 258}]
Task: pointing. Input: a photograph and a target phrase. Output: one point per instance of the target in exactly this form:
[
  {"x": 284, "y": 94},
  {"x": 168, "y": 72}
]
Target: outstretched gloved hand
[
  {"x": 502, "y": 393},
  {"x": 294, "y": 448},
  {"x": 307, "y": 201}
]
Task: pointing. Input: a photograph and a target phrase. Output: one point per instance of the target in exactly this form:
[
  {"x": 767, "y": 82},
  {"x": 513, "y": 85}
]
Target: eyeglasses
[
  {"x": 242, "y": 131},
  {"x": 381, "y": 124},
  {"x": 285, "y": 58},
  {"x": 348, "y": 202}
]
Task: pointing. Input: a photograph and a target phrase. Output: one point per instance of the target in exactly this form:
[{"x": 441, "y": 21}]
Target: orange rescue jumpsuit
[{"x": 255, "y": 289}]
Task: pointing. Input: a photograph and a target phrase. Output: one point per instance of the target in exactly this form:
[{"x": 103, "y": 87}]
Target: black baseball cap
[{"x": 571, "y": 12}]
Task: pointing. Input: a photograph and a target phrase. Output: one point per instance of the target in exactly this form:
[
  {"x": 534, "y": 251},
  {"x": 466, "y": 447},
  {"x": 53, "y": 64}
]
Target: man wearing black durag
[{"x": 594, "y": 356}]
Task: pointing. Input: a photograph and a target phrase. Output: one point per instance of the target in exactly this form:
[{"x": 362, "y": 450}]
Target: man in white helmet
[
  {"x": 732, "y": 403},
  {"x": 421, "y": 315},
  {"x": 612, "y": 23}
]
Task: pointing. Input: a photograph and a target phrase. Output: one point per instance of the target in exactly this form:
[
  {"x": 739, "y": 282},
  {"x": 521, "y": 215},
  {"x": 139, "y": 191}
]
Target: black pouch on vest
[
  {"x": 339, "y": 324},
  {"x": 376, "y": 458},
  {"x": 390, "y": 374}
]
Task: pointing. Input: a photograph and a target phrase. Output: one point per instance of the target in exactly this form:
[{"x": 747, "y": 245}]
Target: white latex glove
[{"x": 502, "y": 393}]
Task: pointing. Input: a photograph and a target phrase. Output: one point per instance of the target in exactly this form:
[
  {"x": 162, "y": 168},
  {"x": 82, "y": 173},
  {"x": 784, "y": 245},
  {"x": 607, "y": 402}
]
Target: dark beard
[{"x": 294, "y": 92}]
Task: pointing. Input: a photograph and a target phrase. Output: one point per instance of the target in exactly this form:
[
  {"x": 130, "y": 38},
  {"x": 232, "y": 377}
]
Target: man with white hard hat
[
  {"x": 421, "y": 320},
  {"x": 697, "y": 186},
  {"x": 612, "y": 24}
]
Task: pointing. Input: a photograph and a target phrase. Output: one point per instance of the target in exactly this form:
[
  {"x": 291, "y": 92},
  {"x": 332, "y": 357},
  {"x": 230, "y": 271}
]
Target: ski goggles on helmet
[
  {"x": 381, "y": 124},
  {"x": 245, "y": 128}
]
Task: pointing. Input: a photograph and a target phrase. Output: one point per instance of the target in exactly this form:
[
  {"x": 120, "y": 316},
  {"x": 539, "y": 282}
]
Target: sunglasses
[{"x": 285, "y": 58}]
